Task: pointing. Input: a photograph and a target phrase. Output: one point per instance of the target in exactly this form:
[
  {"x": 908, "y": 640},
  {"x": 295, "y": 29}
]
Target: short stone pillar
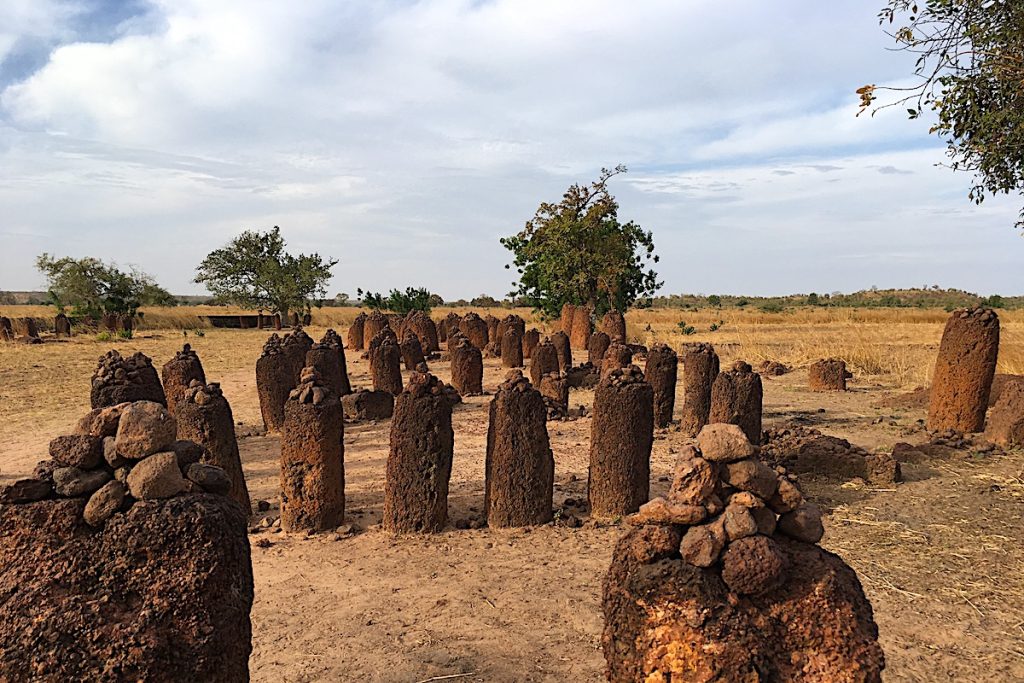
[
  {"x": 312, "y": 458},
  {"x": 61, "y": 325},
  {"x": 560, "y": 340},
  {"x": 372, "y": 326},
  {"x": 474, "y": 328},
  {"x": 661, "y": 370},
  {"x": 420, "y": 324},
  {"x": 420, "y": 461},
  {"x": 531, "y": 338},
  {"x": 614, "y": 325},
  {"x": 621, "y": 436},
  {"x": 617, "y": 356},
  {"x": 204, "y": 417},
  {"x": 274, "y": 380},
  {"x": 179, "y": 373},
  {"x": 582, "y": 327},
  {"x": 354, "y": 336},
  {"x": 412, "y": 350},
  {"x": 520, "y": 468},
  {"x": 543, "y": 360},
  {"x": 736, "y": 398},
  {"x": 555, "y": 387},
  {"x": 512, "y": 348},
  {"x": 125, "y": 380},
  {"x": 597, "y": 347},
  {"x": 963, "y": 371},
  {"x": 332, "y": 340},
  {"x": 827, "y": 374},
  {"x": 700, "y": 368},
  {"x": 467, "y": 366},
  {"x": 386, "y": 363}
]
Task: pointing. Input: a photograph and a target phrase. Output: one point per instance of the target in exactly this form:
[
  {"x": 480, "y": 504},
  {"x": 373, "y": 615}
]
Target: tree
[
  {"x": 577, "y": 252},
  {"x": 91, "y": 288},
  {"x": 412, "y": 299},
  {"x": 812, "y": 299},
  {"x": 715, "y": 300},
  {"x": 254, "y": 271},
  {"x": 970, "y": 73}
]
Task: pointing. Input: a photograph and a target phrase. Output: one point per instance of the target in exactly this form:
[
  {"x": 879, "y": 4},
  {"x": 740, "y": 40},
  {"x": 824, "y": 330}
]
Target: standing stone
[
  {"x": 543, "y": 361},
  {"x": 125, "y": 380},
  {"x": 475, "y": 330},
  {"x": 109, "y": 322},
  {"x": 661, "y": 370},
  {"x": 568, "y": 315},
  {"x": 520, "y": 468},
  {"x": 386, "y": 363},
  {"x": 597, "y": 347},
  {"x": 312, "y": 458},
  {"x": 420, "y": 461},
  {"x": 492, "y": 328},
  {"x": 700, "y": 368},
  {"x": 6, "y": 329},
  {"x": 617, "y": 356},
  {"x": 582, "y": 328},
  {"x": 508, "y": 321},
  {"x": 425, "y": 330},
  {"x": 293, "y": 319},
  {"x": 512, "y": 348},
  {"x": 1006, "y": 419},
  {"x": 61, "y": 325},
  {"x": 555, "y": 388},
  {"x": 412, "y": 351},
  {"x": 531, "y": 338},
  {"x": 332, "y": 340},
  {"x": 736, "y": 399},
  {"x": 827, "y": 374},
  {"x": 452, "y": 321},
  {"x": 354, "y": 337},
  {"x": 277, "y": 321},
  {"x": 614, "y": 325},
  {"x": 372, "y": 326},
  {"x": 274, "y": 380},
  {"x": 467, "y": 366},
  {"x": 560, "y": 340},
  {"x": 178, "y": 374},
  {"x": 621, "y": 436},
  {"x": 964, "y": 370},
  {"x": 204, "y": 417},
  {"x": 397, "y": 323},
  {"x": 326, "y": 363},
  {"x": 296, "y": 345}
]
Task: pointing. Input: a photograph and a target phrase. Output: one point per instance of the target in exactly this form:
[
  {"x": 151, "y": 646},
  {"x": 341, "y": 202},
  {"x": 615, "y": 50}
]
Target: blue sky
[{"x": 404, "y": 138}]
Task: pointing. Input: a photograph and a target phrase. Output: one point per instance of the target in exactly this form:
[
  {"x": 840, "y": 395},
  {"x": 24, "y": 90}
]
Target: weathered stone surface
[
  {"x": 597, "y": 346},
  {"x": 827, "y": 374},
  {"x": 519, "y": 469},
  {"x": 77, "y": 450},
  {"x": 512, "y": 348},
  {"x": 368, "y": 405},
  {"x": 721, "y": 442},
  {"x": 386, "y": 363},
  {"x": 467, "y": 366},
  {"x": 161, "y": 593},
  {"x": 61, "y": 326},
  {"x": 327, "y": 359},
  {"x": 374, "y": 324},
  {"x": 1006, "y": 419},
  {"x": 555, "y": 388},
  {"x": 420, "y": 324},
  {"x": 582, "y": 327},
  {"x": 543, "y": 361},
  {"x": 145, "y": 428},
  {"x": 104, "y": 503},
  {"x": 694, "y": 480},
  {"x": 661, "y": 511},
  {"x": 354, "y": 336},
  {"x": 178, "y": 373},
  {"x": 474, "y": 328},
  {"x": 753, "y": 476},
  {"x": 412, "y": 351},
  {"x": 615, "y": 357},
  {"x": 752, "y": 565},
  {"x": 210, "y": 478},
  {"x": 786, "y": 499},
  {"x": 72, "y": 482},
  {"x": 26, "y": 490},
  {"x": 738, "y": 522},
  {"x": 964, "y": 369},
  {"x": 816, "y": 625},
  {"x": 530, "y": 340},
  {"x": 803, "y": 523},
  {"x": 660, "y": 372},
  {"x": 613, "y": 324},
  {"x": 295, "y": 345},
  {"x": 736, "y": 398},
  {"x": 563, "y": 350},
  {"x": 622, "y": 433},
  {"x": 420, "y": 461},
  {"x": 700, "y": 368},
  {"x": 274, "y": 380},
  {"x": 701, "y": 545},
  {"x": 101, "y": 422},
  {"x": 125, "y": 380},
  {"x": 157, "y": 476}
]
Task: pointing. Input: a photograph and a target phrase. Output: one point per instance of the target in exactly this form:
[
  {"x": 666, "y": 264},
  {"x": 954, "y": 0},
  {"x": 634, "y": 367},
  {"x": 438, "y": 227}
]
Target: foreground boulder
[{"x": 161, "y": 592}]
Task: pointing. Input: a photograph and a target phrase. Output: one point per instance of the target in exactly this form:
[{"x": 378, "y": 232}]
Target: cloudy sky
[{"x": 404, "y": 138}]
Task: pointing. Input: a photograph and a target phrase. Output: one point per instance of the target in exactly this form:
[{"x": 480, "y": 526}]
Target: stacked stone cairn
[
  {"x": 420, "y": 461},
  {"x": 125, "y": 380},
  {"x": 274, "y": 380},
  {"x": 828, "y": 374},
  {"x": 312, "y": 457},
  {"x": 178, "y": 375},
  {"x": 520, "y": 467},
  {"x": 734, "y": 542},
  {"x": 354, "y": 336},
  {"x": 964, "y": 370}
]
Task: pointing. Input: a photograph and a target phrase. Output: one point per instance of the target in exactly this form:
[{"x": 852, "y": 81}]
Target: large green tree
[
  {"x": 412, "y": 299},
  {"x": 578, "y": 252},
  {"x": 970, "y": 73},
  {"x": 90, "y": 287},
  {"x": 254, "y": 270}
]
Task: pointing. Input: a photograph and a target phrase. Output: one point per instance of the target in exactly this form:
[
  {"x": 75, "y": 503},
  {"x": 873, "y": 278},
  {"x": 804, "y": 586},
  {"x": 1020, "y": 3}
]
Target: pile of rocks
[
  {"x": 724, "y": 580},
  {"x": 125, "y": 380},
  {"x": 803, "y": 450},
  {"x": 119, "y": 456},
  {"x": 772, "y": 368}
]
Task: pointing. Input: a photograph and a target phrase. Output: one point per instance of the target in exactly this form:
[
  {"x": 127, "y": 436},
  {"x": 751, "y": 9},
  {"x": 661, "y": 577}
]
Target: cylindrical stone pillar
[
  {"x": 296, "y": 345},
  {"x": 475, "y": 330},
  {"x": 520, "y": 468},
  {"x": 543, "y": 360},
  {"x": 512, "y": 348},
  {"x": 621, "y": 436},
  {"x": 325, "y": 362},
  {"x": 178, "y": 374},
  {"x": 566, "y": 320},
  {"x": 386, "y": 364},
  {"x": 372, "y": 326},
  {"x": 425, "y": 330},
  {"x": 964, "y": 370},
  {"x": 700, "y": 368},
  {"x": 614, "y": 325},
  {"x": 467, "y": 366},
  {"x": 615, "y": 357},
  {"x": 333, "y": 340},
  {"x": 661, "y": 370},
  {"x": 354, "y": 338},
  {"x": 420, "y": 461},
  {"x": 312, "y": 458},
  {"x": 412, "y": 350},
  {"x": 274, "y": 380},
  {"x": 582, "y": 328},
  {"x": 531, "y": 338},
  {"x": 560, "y": 340},
  {"x": 736, "y": 398},
  {"x": 597, "y": 347}
]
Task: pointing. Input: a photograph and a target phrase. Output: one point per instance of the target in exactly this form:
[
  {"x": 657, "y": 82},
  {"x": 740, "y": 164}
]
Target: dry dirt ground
[{"x": 940, "y": 556}]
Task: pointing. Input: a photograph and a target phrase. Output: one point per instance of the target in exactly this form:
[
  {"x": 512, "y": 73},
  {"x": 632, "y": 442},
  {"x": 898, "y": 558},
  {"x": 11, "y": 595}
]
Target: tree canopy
[
  {"x": 970, "y": 73},
  {"x": 254, "y": 271},
  {"x": 578, "y": 252},
  {"x": 90, "y": 287},
  {"x": 412, "y": 299}
]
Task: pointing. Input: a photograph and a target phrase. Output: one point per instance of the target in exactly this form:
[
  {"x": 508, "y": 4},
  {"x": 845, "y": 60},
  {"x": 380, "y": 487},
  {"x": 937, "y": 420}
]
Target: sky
[{"x": 405, "y": 138}]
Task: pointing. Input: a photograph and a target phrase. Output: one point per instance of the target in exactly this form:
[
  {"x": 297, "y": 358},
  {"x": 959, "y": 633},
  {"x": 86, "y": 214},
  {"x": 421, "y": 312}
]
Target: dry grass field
[{"x": 941, "y": 555}]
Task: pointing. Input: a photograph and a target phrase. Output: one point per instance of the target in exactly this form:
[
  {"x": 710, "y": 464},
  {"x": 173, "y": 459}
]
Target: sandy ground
[{"x": 940, "y": 556}]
